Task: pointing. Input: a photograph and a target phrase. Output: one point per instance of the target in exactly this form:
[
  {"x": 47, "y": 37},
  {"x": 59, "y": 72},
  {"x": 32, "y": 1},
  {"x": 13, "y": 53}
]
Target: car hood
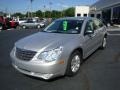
[{"x": 44, "y": 40}]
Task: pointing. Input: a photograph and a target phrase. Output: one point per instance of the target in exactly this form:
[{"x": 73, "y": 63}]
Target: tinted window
[{"x": 29, "y": 21}]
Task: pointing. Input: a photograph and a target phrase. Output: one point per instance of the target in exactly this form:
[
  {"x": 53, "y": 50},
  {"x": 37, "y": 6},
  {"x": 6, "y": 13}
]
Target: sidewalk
[{"x": 113, "y": 28}]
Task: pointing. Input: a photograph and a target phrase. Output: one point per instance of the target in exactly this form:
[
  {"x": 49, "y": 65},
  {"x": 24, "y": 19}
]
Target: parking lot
[{"x": 100, "y": 71}]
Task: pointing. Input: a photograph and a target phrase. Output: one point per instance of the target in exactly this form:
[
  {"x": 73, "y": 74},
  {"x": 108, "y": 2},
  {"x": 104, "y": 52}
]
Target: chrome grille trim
[{"x": 25, "y": 55}]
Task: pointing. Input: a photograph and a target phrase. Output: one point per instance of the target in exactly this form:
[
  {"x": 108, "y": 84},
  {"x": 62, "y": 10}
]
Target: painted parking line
[
  {"x": 113, "y": 29},
  {"x": 113, "y": 34}
]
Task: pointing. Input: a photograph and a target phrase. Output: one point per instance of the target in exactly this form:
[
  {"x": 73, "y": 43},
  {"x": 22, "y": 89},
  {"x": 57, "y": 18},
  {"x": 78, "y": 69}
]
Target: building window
[
  {"x": 98, "y": 15},
  {"x": 92, "y": 15},
  {"x": 106, "y": 15},
  {"x": 85, "y": 15},
  {"x": 78, "y": 15},
  {"x": 116, "y": 15}
]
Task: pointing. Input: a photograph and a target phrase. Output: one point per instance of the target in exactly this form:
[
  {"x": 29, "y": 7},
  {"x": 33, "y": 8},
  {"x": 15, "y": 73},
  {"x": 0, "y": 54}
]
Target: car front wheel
[
  {"x": 74, "y": 64},
  {"x": 104, "y": 42},
  {"x": 1, "y": 27}
]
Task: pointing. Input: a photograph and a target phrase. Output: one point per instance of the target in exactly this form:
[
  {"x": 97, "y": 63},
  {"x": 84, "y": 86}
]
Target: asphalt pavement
[{"x": 100, "y": 71}]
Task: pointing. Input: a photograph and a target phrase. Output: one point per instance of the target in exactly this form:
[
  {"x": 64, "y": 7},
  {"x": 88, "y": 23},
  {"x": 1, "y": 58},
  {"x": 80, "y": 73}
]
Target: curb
[{"x": 117, "y": 29}]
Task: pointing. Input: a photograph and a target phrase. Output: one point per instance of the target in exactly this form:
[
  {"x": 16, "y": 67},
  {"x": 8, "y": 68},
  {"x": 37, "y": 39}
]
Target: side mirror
[{"x": 89, "y": 32}]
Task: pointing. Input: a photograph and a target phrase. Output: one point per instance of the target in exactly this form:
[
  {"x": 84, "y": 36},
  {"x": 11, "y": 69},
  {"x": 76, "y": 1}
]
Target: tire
[
  {"x": 104, "y": 42},
  {"x": 38, "y": 26},
  {"x": 17, "y": 27},
  {"x": 24, "y": 27},
  {"x": 73, "y": 66},
  {"x": 1, "y": 27}
]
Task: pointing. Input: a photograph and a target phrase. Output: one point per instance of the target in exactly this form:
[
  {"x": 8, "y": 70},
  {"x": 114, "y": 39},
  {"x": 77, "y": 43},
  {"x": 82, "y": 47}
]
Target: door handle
[{"x": 92, "y": 35}]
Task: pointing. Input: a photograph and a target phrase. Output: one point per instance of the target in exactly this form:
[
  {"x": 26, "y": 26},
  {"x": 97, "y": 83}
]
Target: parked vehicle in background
[
  {"x": 7, "y": 23},
  {"x": 21, "y": 21},
  {"x": 32, "y": 24},
  {"x": 13, "y": 24},
  {"x": 1, "y": 26},
  {"x": 60, "y": 48},
  {"x": 44, "y": 20}
]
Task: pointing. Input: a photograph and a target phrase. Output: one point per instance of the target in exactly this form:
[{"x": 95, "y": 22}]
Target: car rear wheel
[
  {"x": 104, "y": 42},
  {"x": 38, "y": 26},
  {"x": 74, "y": 63},
  {"x": 24, "y": 27}
]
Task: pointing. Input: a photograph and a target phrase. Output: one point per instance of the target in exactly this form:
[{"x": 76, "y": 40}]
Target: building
[
  {"x": 109, "y": 10},
  {"x": 81, "y": 11}
]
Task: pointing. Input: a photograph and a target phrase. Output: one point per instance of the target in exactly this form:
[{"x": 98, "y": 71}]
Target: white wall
[{"x": 81, "y": 10}]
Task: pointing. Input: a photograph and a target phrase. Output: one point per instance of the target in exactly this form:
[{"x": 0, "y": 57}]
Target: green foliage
[
  {"x": 38, "y": 13},
  {"x": 69, "y": 12},
  {"x": 18, "y": 14},
  {"x": 48, "y": 14}
]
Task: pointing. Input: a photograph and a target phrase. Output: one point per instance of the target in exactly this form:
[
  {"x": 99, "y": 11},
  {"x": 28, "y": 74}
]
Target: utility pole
[
  {"x": 44, "y": 7},
  {"x": 62, "y": 9},
  {"x": 50, "y": 4},
  {"x": 31, "y": 1}
]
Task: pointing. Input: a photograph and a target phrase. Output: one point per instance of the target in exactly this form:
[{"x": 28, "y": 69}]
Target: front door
[{"x": 89, "y": 39}]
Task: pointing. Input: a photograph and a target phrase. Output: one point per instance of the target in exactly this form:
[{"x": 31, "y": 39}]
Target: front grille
[{"x": 23, "y": 54}]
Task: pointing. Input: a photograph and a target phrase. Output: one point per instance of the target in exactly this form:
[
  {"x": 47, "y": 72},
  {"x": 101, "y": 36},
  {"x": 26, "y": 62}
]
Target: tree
[
  {"x": 39, "y": 13},
  {"x": 18, "y": 14},
  {"x": 56, "y": 14},
  {"x": 69, "y": 12},
  {"x": 47, "y": 14}
]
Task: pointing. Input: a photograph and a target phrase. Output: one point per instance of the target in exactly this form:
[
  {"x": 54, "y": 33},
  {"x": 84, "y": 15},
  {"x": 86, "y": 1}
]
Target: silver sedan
[
  {"x": 60, "y": 48},
  {"x": 32, "y": 24}
]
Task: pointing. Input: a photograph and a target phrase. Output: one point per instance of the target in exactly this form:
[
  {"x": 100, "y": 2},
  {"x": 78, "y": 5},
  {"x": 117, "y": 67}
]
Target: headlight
[{"x": 52, "y": 55}]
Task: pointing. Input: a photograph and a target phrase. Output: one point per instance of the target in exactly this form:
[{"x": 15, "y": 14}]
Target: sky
[{"x": 23, "y": 6}]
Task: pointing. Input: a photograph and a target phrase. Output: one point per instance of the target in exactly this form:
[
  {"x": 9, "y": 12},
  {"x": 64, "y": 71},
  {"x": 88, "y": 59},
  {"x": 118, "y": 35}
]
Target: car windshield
[{"x": 65, "y": 26}]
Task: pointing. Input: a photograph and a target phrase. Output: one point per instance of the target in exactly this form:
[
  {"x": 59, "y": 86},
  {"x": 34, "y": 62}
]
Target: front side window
[
  {"x": 65, "y": 26},
  {"x": 89, "y": 26}
]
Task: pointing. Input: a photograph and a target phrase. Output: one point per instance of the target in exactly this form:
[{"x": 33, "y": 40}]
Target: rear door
[
  {"x": 31, "y": 23},
  {"x": 98, "y": 29},
  {"x": 90, "y": 40}
]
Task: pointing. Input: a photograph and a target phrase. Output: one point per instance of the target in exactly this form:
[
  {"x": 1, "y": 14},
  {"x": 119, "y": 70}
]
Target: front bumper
[{"x": 38, "y": 69}]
